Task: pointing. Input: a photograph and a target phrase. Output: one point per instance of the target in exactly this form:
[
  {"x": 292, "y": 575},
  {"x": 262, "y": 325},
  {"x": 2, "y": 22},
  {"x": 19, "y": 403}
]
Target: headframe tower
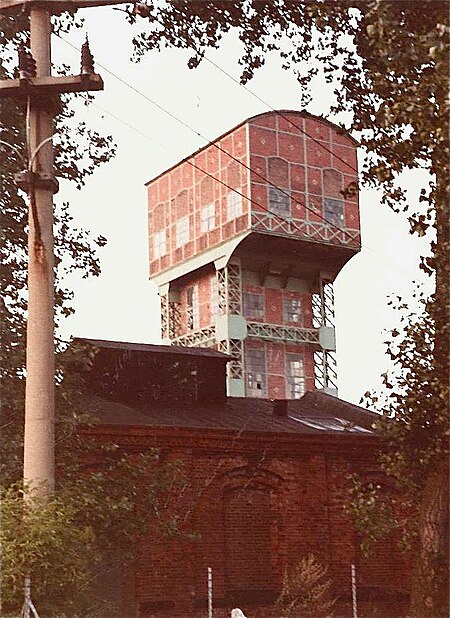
[{"x": 246, "y": 237}]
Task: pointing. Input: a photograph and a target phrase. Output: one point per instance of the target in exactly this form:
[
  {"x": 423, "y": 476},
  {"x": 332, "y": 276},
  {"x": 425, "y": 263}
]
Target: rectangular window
[
  {"x": 234, "y": 205},
  {"x": 256, "y": 372},
  {"x": 159, "y": 244},
  {"x": 295, "y": 376},
  {"x": 292, "y": 310},
  {"x": 333, "y": 211},
  {"x": 253, "y": 305},
  {"x": 214, "y": 297},
  {"x": 192, "y": 308},
  {"x": 279, "y": 202},
  {"x": 182, "y": 232},
  {"x": 207, "y": 218}
]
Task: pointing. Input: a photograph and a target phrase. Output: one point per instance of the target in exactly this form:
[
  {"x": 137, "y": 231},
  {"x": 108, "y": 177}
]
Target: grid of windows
[
  {"x": 292, "y": 310},
  {"x": 279, "y": 202},
  {"x": 234, "y": 205},
  {"x": 182, "y": 232},
  {"x": 256, "y": 372},
  {"x": 192, "y": 308},
  {"x": 295, "y": 376},
  {"x": 333, "y": 211},
  {"x": 253, "y": 305},
  {"x": 159, "y": 244},
  {"x": 207, "y": 218}
]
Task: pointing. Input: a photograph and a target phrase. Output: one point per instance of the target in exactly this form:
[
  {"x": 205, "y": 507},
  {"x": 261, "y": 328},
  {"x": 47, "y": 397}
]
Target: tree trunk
[{"x": 430, "y": 585}]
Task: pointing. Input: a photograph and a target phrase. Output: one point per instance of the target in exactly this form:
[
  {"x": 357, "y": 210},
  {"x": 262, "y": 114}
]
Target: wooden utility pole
[{"x": 40, "y": 92}]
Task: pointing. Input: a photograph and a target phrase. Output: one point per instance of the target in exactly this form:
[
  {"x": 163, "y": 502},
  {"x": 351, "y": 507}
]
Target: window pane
[
  {"x": 214, "y": 297},
  {"x": 295, "y": 376},
  {"x": 192, "y": 308},
  {"x": 256, "y": 372},
  {"x": 182, "y": 231},
  {"x": 333, "y": 211},
  {"x": 292, "y": 310},
  {"x": 159, "y": 244},
  {"x": 279, "y": 202},
  {"x": 253, "y": 305},
  {"x": 207, "y": 218},
  {"x": 234, "y": 205}
]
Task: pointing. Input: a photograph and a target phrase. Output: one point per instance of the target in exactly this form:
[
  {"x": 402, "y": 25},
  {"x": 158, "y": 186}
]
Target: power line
[
  {"x": 276, "y": 215},
  {"x": 212, "y": 143},
  {"x": 195, "y": 166},
  {"x": 280, "y": 113}
]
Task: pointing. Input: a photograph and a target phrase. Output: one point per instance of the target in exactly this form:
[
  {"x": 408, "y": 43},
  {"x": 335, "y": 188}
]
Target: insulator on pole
[
  {"x": 87, "y": 59},
  {"x": 27, "y": 64}
]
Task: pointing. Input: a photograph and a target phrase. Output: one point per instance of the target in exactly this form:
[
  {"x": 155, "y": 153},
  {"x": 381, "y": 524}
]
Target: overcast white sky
[{"x": 122, "y": 304}]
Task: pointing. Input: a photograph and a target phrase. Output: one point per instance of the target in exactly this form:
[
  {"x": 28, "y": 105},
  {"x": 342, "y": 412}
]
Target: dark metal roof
[
  {"x": 280, "y": 112},
  {"x": 150, "y": 347},
  {"x": 315, "y": 413}
]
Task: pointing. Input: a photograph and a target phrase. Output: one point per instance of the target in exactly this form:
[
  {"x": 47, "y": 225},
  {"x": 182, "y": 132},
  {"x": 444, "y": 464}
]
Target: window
[
  {"x": 333, "y": 211},
  {"x": 207, "y": 218},
  {"x": 159, "y": 244},
  {"x": 292, "y": 310},
  {"x": 192, "y": 309},
  {"x": 253, "y": 305},
  {"x": 214, "y": 296},
  {"x": 256, "y": 372},
  {"x": 295, "y": 376},
  {"x": 182, "y": 231},
  {"x": 279, "y": 202},
  {"x": 234, "y": 205}
]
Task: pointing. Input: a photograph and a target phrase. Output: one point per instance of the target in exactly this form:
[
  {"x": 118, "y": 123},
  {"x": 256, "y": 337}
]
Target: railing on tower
[{"x": 301, "y": 228}]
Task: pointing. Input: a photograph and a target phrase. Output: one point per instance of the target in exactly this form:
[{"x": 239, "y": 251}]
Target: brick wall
[{"x": 251, "y": 511}]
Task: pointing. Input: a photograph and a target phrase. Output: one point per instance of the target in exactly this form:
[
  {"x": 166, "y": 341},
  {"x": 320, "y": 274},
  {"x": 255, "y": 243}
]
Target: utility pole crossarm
[
  {"x": 54, "y": 7},
  {"x": 49, "y": 86}
]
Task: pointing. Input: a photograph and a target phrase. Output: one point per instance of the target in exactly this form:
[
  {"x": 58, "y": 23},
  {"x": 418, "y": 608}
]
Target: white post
[
  {"x": 26, "y": 607},
  {"x": 210, "y": 606},
  {"x": 354, "y": 605}
]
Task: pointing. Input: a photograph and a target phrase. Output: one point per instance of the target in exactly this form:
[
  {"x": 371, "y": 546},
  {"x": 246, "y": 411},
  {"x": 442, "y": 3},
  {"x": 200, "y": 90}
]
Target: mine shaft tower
[{"x": 246, "y": 237}]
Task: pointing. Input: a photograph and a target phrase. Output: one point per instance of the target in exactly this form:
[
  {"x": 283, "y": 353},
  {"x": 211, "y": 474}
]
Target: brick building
[
  {"x": 267, "y": 484},
  {"x": 246, "y": 237}
]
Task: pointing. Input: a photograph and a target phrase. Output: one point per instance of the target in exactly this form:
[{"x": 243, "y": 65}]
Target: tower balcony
[{"x": 312, "y": 231}]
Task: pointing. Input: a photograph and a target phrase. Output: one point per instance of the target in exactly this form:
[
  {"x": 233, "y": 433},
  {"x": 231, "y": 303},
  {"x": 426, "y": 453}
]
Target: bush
[{"x": 306, "y": 591}]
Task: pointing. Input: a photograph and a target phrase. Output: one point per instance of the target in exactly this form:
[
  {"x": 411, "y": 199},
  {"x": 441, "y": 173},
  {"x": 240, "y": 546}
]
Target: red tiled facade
[{"x": 278, "y": 176}]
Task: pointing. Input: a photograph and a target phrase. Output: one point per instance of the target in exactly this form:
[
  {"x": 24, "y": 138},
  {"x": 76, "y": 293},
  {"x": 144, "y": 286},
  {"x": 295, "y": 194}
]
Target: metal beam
[
  {"x": 48, "y": 85},
  {"x": 8, "y": 7}
]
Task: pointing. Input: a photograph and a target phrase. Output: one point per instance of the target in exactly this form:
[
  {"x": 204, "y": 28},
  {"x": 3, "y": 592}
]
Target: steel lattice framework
[
  {"x": 325, "y": 373},
  {"x": 275, "y": 332},
  {"x": 202, "y": 336},
  {"x": 313, "y": 230},
  {"x": 170, "y": 318},
  {"x": 235, "y": 348},
  {"x": 229, "y": 286}
]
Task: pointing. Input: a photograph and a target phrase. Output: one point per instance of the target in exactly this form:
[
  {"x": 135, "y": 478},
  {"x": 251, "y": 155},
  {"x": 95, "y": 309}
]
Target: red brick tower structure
[{"x": 246, "y": 237}]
